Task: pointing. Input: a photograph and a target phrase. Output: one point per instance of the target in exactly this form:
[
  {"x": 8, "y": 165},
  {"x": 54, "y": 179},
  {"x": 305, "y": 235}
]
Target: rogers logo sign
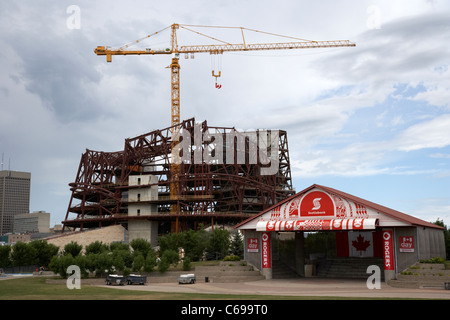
[
  {"x": 388, "y": 250},
  {"x": 266, "y": 259}
]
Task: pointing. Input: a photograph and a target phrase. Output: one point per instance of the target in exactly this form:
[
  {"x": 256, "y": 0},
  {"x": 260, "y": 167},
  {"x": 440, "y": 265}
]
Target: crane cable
[{"x": 217, "y": 67}]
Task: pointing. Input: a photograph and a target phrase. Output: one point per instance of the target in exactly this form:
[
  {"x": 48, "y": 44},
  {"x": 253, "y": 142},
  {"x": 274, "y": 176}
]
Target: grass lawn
[{"x": 35, "y": 288}]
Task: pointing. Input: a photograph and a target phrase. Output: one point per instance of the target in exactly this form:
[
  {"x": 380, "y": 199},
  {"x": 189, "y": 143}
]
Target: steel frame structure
[{"x": 205, "y": 192}]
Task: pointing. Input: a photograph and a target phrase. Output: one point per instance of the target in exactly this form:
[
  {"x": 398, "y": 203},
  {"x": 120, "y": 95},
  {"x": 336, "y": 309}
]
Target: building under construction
[{"x": 179, "y": 177}]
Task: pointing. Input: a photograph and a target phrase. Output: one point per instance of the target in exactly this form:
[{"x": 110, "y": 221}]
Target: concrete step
[
  {"x": 355, "y": 268},
  {"x": 280, "y": 270},
  {"x": 423, "y": 275},
  {"x": 225, "y": 272}
]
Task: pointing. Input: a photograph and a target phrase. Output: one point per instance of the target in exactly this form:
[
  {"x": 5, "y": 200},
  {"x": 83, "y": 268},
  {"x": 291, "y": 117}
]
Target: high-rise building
[{"x": 14, "y": 197}]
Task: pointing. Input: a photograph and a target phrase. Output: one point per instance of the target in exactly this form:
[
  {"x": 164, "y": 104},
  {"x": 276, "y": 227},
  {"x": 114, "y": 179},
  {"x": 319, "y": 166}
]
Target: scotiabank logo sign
[{"x": 316, "y": 204}]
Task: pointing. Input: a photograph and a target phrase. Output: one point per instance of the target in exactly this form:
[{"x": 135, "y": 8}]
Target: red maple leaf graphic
[{"x": 360, "y": 244}]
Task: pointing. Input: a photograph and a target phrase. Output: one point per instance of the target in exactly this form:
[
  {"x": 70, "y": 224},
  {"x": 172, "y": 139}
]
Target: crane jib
[{"x": 212, "y": 49}]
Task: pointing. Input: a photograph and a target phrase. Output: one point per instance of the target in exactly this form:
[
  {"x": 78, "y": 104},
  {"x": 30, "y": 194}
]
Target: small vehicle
[
  {"x": 186, "y": 278},
  {"x": 115, "y": 279},
  {"x": 136, "y": 279}
]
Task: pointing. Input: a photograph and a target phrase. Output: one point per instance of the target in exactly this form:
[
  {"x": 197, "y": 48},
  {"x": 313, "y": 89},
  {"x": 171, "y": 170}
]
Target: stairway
[
  {"x": 423, "y": 275},
  {"x": 354, "y": 268},
  {"x": 280, "y": 270},
  {"x": 230, "y": 271}
]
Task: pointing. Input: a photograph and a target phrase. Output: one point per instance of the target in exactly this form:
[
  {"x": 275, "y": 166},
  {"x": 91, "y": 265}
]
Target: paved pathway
[{"x": 297, "y": 287}]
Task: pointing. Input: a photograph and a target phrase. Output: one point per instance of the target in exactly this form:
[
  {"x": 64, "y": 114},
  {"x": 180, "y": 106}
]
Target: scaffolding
[{"x": 216, "y": 182}]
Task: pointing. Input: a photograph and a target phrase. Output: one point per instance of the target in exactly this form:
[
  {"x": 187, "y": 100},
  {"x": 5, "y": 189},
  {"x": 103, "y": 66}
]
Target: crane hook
[{"x": 218, "y": 86}]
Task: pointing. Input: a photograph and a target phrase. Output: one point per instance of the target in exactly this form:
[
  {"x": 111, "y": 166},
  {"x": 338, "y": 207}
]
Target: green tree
[
  {"x": 446, "y": 237},
  {"x": 119, "y": 246},
  {"x": 96, "y": 247},
  {"x": 104, "y": 262},
  {"x": 171, "y": 241},
  {"x": 237, "y": 244},
  {"x": 218, "y": 245},
  {"x": 172, "y": 257},
  {"x": 91, "y": 262},
  {"x": 138, "y": 262},
  {"x": 163, "y": 265},
  {"x": 141, "y": 246},
  {"x": 59, "y": 264},
  {"x": 23, "y": 254},
  {"x": 169, "y": 257},
  {"x": 186, "y": 264},
  {"x": 5, "y": 259},
  {"x": 122, "y": 259},
  {"x": 54, "y": 264},
  {"x": 150, "y": 261},
  {"x": 81, "y": 262},
  {"x": 194, "y": 243},
  {"x": 73, "y": 249},
  {"x": 44, "y": 251}
]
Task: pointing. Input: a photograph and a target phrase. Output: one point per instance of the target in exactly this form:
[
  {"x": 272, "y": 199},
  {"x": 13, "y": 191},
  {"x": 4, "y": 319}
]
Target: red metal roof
[{"x": 382, "y": 209}]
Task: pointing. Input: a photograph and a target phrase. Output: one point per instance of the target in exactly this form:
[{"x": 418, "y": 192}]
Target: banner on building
[
  {"x": 388, "y": 250},
  {"x": 252, "y": 245},
  {"x": 317, "y": 225},
  {"x": 406, "y": 244},
  {"x": 265, "y": 245}
]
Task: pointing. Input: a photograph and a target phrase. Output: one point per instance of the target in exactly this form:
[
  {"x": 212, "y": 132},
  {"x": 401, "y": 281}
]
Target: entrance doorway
[{"x": 327, "y": 254}]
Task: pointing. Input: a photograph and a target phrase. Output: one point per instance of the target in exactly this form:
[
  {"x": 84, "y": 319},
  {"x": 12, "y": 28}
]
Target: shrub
[
  {"x": 186, "y": 264},
  {"x": 232, "y": 258},
  {"x": 138, "y": 262},
  {"x": 150, "y": 261},
  {"x": 163, "y": 265},
  {"x": 169, "y": 257},
  {"x": 433, "y": 260}
]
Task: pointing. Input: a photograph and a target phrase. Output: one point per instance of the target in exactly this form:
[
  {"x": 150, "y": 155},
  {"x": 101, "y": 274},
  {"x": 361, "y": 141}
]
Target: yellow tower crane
[
  {"x": 175, "y": 51},
  {"x": 213, "y": 49}
]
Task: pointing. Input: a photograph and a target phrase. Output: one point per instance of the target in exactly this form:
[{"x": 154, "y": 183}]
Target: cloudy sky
[{"x": 372, "y": 120}]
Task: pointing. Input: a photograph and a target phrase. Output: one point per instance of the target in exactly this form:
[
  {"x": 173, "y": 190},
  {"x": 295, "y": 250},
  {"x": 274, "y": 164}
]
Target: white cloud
[{"x": 428, "y": 134}]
